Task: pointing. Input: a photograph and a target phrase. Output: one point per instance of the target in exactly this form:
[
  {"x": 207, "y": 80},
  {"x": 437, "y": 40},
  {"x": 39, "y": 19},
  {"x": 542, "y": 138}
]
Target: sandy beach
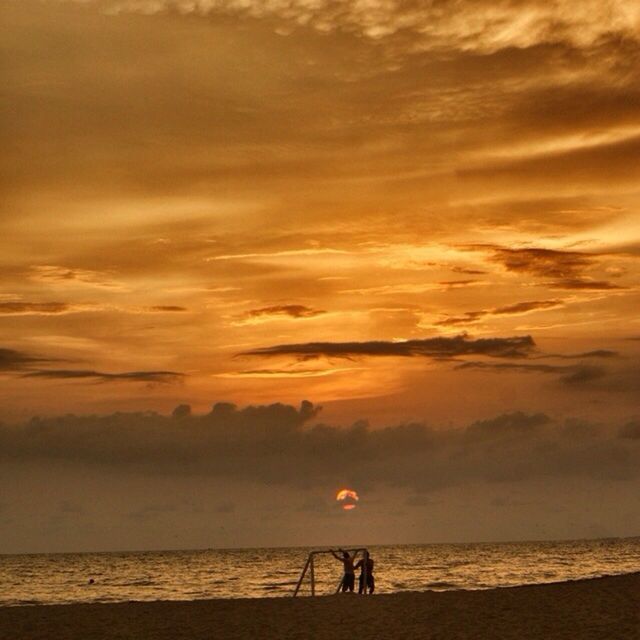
[{"x": 603, "y": 608}]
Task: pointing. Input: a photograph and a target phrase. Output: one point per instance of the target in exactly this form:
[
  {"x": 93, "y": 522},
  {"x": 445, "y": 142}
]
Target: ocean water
[{"x": 256, "y": 573}]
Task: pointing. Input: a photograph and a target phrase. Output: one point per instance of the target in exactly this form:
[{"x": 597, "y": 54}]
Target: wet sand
[{"x": 603, "y": 608}]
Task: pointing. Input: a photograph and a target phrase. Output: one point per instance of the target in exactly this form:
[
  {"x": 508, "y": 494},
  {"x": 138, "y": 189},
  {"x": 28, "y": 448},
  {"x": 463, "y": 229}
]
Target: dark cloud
[
  {"x": 12, "y": 360},
  {"x": 584, "y": 284},
  {"x": 524, "y": 307},
  {"x": 289, "y": 310},
  {"x": 510, "y": 366},
  {"x": 518, "y": 346},
  {"x": 569, "y": 374},
  {"x": 596, "y": 353},
  {"x": 101, "y": 376},
  {"x": 169, "y": 308},
  {"x": 546, "y": 263},
  {"x": 34, "y": 308},
  {"x": 470, "y": 272},
  {"x": 29, "y": 366},
  {"x": 582, "y": 375},
  {"x": 514, "y": 309},
  {"x": 508, "y": 425},
  {"x": 279, "y": 444},
  {"x": 468, "y": 318},
  {"x": 565, "y": 269}
]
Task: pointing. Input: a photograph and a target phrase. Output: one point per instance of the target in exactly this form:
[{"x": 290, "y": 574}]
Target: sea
[{"x": 259, "y": 573}]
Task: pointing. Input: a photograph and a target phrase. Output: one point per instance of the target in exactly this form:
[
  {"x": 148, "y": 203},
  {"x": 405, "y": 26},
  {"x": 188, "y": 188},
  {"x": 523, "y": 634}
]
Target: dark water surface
[{"x": 255, "y": 573}]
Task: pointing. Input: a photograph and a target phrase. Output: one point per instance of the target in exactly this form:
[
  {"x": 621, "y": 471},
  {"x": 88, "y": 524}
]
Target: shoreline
[
  {"x": 603, "y": 608},
  {"x": 329, "y": 595}
]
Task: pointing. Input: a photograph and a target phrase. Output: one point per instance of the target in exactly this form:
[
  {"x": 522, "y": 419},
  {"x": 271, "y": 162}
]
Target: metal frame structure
[{"x": 309, "y": 566}]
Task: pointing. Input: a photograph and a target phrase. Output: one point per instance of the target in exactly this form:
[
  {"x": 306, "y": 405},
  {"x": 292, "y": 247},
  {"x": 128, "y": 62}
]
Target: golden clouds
[
  {"x": 181, "y": 188},
  {"x": 470, "y": 25}
]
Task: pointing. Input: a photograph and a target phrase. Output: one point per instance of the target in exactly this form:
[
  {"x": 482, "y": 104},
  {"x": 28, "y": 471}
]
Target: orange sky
[
  {"x": 401, "y": 211},
  {"x": 186, "y": 181}
]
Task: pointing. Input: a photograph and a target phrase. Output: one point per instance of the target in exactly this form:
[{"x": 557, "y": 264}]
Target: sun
[{"x": 348, "y": 498}]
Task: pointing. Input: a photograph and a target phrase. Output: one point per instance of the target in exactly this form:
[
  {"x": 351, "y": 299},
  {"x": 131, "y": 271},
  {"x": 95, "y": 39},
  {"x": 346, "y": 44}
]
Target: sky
[{"x": 252, "y": 253}]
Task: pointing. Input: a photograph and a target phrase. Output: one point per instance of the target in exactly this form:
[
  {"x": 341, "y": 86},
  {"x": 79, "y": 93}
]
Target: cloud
[
  {"x": 565, "y": 269},
  {"x": 56, "y": 274},
  {"x": 280, "y": 444},
  {"x": 581, "y": 166},
  {"x": 167, "y": 308},
  {"x": 518, "y": 308},
  {"x": 547, "y": 263},
  {"x": 296, "y": 311},
  {"x": 289, "y": 253},
  {"x": 164, "y": 377},
  {"x": 19, "y": 308},
  {"x": 514, "y": 347},
  {"x": 472, "y": 25},
  {"x": 569, "y": 374},
  {"x": 286, "y": 373},
  {"x": 29, "y": 366},
  {"x": 584, "y": 284},
  {"x": 13, "y": 360},
  {"x": 411, "y": 288},
  {"x": 596, "y": 353}
]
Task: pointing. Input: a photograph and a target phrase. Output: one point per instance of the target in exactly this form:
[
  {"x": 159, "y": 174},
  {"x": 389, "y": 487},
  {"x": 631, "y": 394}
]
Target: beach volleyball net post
[{"x": 309, "y": 570}]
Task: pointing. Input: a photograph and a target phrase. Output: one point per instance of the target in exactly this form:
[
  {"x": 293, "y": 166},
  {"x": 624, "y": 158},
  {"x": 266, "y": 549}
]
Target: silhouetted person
[
  {"x": 367, "y": 562},
  {"x": 349, "y": 578}
]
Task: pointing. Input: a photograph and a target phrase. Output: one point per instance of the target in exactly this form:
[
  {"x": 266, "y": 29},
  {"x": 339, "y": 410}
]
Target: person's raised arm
[{"x": 335, "y": 555}]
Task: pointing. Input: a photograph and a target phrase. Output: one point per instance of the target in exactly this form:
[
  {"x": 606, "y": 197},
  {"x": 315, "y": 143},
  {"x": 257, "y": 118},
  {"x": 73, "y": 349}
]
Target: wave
[{"x": 442, "y": 584}]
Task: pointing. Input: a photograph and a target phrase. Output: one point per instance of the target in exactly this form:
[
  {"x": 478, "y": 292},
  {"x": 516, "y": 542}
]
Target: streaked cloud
[
  {"x": 167, "y": 308},
  {"x": 520, "y": 346},
  {"x": 569, "y": 374},
  {"x": 20, "y": 308},
  {"x": 287, "y": 373},
  {"x": 414, "y": 288},
  {"x": 293, "y": 311},
  {"x": 59, "y": 275},
  {"x": 518, "y": 308},
  {"x": 163, "y": 377},
  {"x": 289, "y": 253}
]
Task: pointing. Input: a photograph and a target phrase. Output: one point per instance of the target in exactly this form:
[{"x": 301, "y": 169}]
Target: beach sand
[{"x": 603, "y": 608}]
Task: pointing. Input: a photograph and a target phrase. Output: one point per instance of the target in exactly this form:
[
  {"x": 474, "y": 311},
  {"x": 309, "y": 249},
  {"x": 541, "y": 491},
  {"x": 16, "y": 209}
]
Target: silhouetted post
[
  {"x": 365, "y": 559},
  {"x": 313, "y": 578},
  {"x": 302, "y": 575}
]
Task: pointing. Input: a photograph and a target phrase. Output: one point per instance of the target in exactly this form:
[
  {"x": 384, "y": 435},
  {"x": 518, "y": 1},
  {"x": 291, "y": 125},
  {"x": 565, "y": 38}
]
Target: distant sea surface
[{"x": 256, "y": 573}]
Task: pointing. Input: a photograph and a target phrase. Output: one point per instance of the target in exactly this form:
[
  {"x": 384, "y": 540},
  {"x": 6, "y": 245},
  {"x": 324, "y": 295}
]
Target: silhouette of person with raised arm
[
  {"x": 366, "y": 579},
  {"x": 349, "y": 578}
]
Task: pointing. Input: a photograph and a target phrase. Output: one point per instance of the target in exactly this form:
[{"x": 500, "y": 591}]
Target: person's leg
[
  {"x": 372, "y": 584},
  {"x": 361, "y": 584}
]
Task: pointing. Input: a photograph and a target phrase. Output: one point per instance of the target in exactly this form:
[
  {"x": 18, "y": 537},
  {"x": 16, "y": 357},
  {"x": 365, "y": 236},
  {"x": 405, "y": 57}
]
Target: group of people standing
[{"x": 366, "y": 580}]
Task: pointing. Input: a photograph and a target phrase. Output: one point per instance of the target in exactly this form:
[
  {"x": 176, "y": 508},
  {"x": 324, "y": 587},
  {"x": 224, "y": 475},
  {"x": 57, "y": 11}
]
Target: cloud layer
[{"x": 279, "y": 444}]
